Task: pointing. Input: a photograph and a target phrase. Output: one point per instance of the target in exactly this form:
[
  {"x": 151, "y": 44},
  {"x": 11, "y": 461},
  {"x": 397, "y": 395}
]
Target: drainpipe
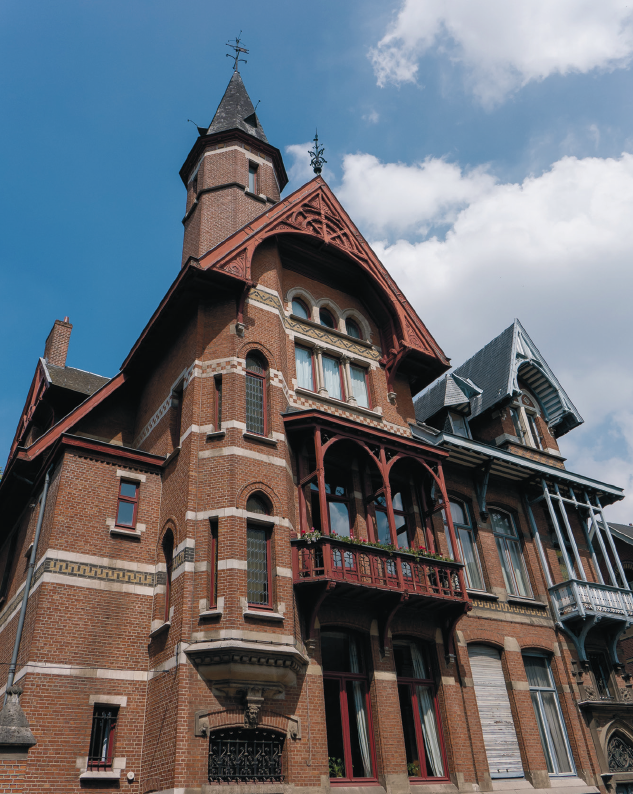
[{"x": 27, "y": 586}]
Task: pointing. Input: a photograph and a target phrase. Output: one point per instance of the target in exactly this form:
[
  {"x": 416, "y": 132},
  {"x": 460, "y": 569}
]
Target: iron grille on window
[
  {"x": 257, "y": 564},
  {"x": 254, "y": 404},
  {"x": 102, "y": 737},
  {"x": 245, "y": 756}
]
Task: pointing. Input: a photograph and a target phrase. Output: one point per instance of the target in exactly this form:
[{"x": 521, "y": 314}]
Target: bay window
[
  {"x": 463, "y": 525},
  {"x": 420, "y": 714},
  {"x": 347, "y": 708},
  {"x": 510, "y": 554},
  {"x": 549, "y": 717}
]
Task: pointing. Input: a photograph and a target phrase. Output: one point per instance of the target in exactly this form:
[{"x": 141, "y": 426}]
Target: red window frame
[
  {"x": 263, "y": 378},
  {"x": 217, "y": 408},
  {"x": 129, "y": 500},
  {"x": 314, "y": 379},
  {"x": 93, "y": 762},
  {"x": 213, "y": 564},
  {"x": 303, "y": 304},
  {"x": 343, "y": 679},
  {"x": 340, "y": 375},
  {"x": 268, "y": 606},
  {"x": 429, "y": 683}
]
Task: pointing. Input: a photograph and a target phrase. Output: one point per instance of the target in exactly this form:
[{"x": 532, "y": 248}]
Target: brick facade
[{"x": 171, "y": 641}]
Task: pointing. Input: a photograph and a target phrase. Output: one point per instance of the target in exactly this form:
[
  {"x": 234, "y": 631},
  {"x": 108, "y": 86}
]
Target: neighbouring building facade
[{"x": 253, "y": 561}]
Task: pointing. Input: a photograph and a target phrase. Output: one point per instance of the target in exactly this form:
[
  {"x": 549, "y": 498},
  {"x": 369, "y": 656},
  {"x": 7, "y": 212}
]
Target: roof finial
[
  {"x": 238, "y": 51},
  {"x": 317, "y": 160}
]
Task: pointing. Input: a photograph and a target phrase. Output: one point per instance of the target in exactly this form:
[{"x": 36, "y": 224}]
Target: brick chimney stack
[{"x": 57, "y": 342}]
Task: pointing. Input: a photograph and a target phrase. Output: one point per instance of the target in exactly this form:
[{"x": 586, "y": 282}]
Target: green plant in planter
[
  {"x": 413, "y": 769},
  {"x": 337, "y": 767}
]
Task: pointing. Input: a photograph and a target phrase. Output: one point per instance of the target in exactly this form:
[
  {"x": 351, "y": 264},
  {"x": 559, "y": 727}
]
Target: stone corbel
[{"x": 253, "y": 699}]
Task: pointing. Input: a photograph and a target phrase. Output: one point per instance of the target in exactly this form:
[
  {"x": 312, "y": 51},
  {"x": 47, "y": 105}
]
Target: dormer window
[
  {"x": 524, "y": 417},
  {"x": 459, "y": 426},
  {"x": 252, "y": 178}
]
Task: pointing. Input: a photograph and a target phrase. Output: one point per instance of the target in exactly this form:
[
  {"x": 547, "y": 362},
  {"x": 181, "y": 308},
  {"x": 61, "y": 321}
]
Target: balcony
[{"x": 577, "y": 599}]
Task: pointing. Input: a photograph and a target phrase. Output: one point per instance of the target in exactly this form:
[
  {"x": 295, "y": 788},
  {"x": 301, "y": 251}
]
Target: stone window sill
[
  {"x": 95, "y": 774},
  {"x": 211, "y": 613},
  {"x": 482, "y": 594},
  {"x": 262, "y": 614},
  {"x": 521, "y": 600},
  {"x": 160, "y": 629},
  {"x": 271, "y": 442},
  {"x": 125, "y": 533},
  {"x": 215, "y": 436},
  {"x": 313, "y": 395},
  {"x": 257, "y": 196}
]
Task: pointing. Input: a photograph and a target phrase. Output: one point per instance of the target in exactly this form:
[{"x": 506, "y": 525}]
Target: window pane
[
  {"x": 470, "y": 557},
  {"x": 459, "y": 425},
  {"x": 255, "y": 363},
  {"x": 256, "y": 504},
  {"x": 551, "y": 714},
  {"x": 129, "y": 489},
  {"x": 382, "y": 525},
  {"x": 408, "y": 726},
  {"x": 507, "y": 576},
  {"x": 125, "y": 515},
  {"x": 339, "y": 518},
  {"x": 502, "y": 523},
  {"x": 358, "y": 729},
  {"x": 542, "y": 732},
  {"x": 401, "y": 532},
  {"x": 252, "y": 178},
  {"x": 396, "y": 501},
  {"x": 303, "y": 362},
  {"x": 359, "y": 386},
  {"x": 458, "y": 514},
  {"x": 254, "y": 405},
  {"x": 518, "y": 566},
  {"x": 257, "y": 565},
  {"x": 426, "y": 704},
  {"x": 334, "y": 727},
  {"x": 352, "y": 329},
  {"x": 332, "y": 377},
  {"x": 299, "y": 309},
  {"x": 537, "y": 671},
  {"x": 600, "y": 674},
  {"x": 326, "y": 319},
  {"x": 340, "y": 652}
]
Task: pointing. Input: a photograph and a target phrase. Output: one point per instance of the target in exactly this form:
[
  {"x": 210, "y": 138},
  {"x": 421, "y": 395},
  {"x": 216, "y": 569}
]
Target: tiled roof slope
[
  {"x": 236, "y": 111},
  {"x": 75, "y": 379},
  {"x": 622, "y": 531},
  {"x": 495, "y": 369}
]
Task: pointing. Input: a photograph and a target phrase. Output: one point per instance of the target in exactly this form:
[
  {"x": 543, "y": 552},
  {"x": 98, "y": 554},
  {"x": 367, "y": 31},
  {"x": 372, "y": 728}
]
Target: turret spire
[{"x": 236, "y": 111}]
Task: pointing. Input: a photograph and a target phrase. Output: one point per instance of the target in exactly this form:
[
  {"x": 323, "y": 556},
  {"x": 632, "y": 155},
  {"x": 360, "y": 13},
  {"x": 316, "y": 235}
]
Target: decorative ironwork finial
[
  {"x": 238, "y": 51},
  {"x": 316, "y": 157}
]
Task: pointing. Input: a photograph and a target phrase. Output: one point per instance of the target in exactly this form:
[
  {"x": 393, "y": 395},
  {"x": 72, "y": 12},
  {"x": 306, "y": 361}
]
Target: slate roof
[
  {"x": 75, "y": 379},
  {"x": 495, "y": 370},
  {"x": 623, "y": 532},
  {"x": 236, "y": 111}
]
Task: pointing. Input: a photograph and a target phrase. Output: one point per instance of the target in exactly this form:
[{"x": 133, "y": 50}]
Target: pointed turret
[
  {"x": 232, "y": 173},
  {"x": 236, "y": 111}
]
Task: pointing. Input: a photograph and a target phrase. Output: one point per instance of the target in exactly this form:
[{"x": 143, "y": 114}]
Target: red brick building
[{"x": 250, "y": 560}]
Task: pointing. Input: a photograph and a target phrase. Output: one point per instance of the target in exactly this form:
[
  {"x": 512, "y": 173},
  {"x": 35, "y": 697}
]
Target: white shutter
[{"x": 500, "y": 739}]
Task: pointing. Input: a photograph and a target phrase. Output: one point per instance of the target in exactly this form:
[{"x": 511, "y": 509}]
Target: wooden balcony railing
[
  {"x": 575, "y": 598},
  {"x": 366, "y": 566}
]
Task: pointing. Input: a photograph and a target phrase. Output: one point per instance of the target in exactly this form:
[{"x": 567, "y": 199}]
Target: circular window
[
  {"x": 300, "y": 309},
  {"x": 326, "y": 318},
  {"x": 352, "y": 328}
]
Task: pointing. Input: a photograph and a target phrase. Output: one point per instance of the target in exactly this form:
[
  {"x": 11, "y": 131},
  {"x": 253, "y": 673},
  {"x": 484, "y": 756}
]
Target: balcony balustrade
[
  {"x": 577, "y": 599},
  {"x": 375, "y": 569}
]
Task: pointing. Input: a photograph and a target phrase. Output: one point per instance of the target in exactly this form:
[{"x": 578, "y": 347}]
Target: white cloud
[
  {"x": 372, "y": 117},
  {"x": 555, "y": 250},
  {"x": 505, "y": 45}
]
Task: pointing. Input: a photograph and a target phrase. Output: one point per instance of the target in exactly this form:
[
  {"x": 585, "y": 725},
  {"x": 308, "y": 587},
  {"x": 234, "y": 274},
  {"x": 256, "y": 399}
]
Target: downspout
[{"x": 27, "y": 586}]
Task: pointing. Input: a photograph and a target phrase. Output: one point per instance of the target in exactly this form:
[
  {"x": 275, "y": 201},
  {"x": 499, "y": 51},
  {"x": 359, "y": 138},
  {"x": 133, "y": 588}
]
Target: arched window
[
  {"x": 420, "y": 715},
  {"x": 463, "y": 525},
  {"x": 510, "y": 553},
  {"x": 326, "y": 318},
  {"x": 352, "y": 328},
  {"x": 350, "y": 740},
  {"x": 300, "y": 309},
  {"x": 256, "y": 371},
  {"x": 168, "y": 553},
  {"x": 258, "y": 503},
  {"x": 548, "y": 714},
  {"x": 619, "y": 754},
  {"x": 259, "y": 554}
]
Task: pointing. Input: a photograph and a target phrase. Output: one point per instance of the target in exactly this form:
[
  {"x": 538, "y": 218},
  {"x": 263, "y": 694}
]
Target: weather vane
[
  {"x": 316, "y": 156},
  {"x": 238, "y": 51}
]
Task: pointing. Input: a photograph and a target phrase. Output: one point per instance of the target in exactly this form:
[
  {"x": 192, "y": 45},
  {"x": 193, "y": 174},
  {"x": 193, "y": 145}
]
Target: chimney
[{"x": 56, "y": 348}]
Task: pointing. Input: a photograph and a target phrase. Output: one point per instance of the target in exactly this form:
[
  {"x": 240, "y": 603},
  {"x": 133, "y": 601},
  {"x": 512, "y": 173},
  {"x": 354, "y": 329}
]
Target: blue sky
[{"x": 478, "y": 145}]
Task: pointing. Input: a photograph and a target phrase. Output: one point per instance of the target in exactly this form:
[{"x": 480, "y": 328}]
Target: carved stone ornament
[
  {"x": 620, "y": 755},
  {"x": 14, "y": 726},
  {"x": 626, "y": 695},
  {"x": 254, "y": 699}
]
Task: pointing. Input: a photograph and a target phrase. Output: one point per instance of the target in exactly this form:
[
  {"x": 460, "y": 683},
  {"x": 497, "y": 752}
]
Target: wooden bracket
[{"x": 384, "y": 624}]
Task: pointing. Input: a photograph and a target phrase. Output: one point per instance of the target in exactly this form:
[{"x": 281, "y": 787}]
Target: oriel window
[
  {"x": 419, "y": 709},
  {"x": 463, "y": 525},
  {"x": 549, "y": 717},
  {"x": 510, "y": 554},
  {"x": 348, "y": 725},
  {"x": 128, "y": 504},
  {"x": 256, "y": 371},
  {"x": 100, "y": 754}
]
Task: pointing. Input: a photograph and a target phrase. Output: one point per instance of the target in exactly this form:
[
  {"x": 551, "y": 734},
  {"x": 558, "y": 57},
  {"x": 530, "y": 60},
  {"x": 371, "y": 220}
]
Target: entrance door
[{"x": 500, "y": 739}]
